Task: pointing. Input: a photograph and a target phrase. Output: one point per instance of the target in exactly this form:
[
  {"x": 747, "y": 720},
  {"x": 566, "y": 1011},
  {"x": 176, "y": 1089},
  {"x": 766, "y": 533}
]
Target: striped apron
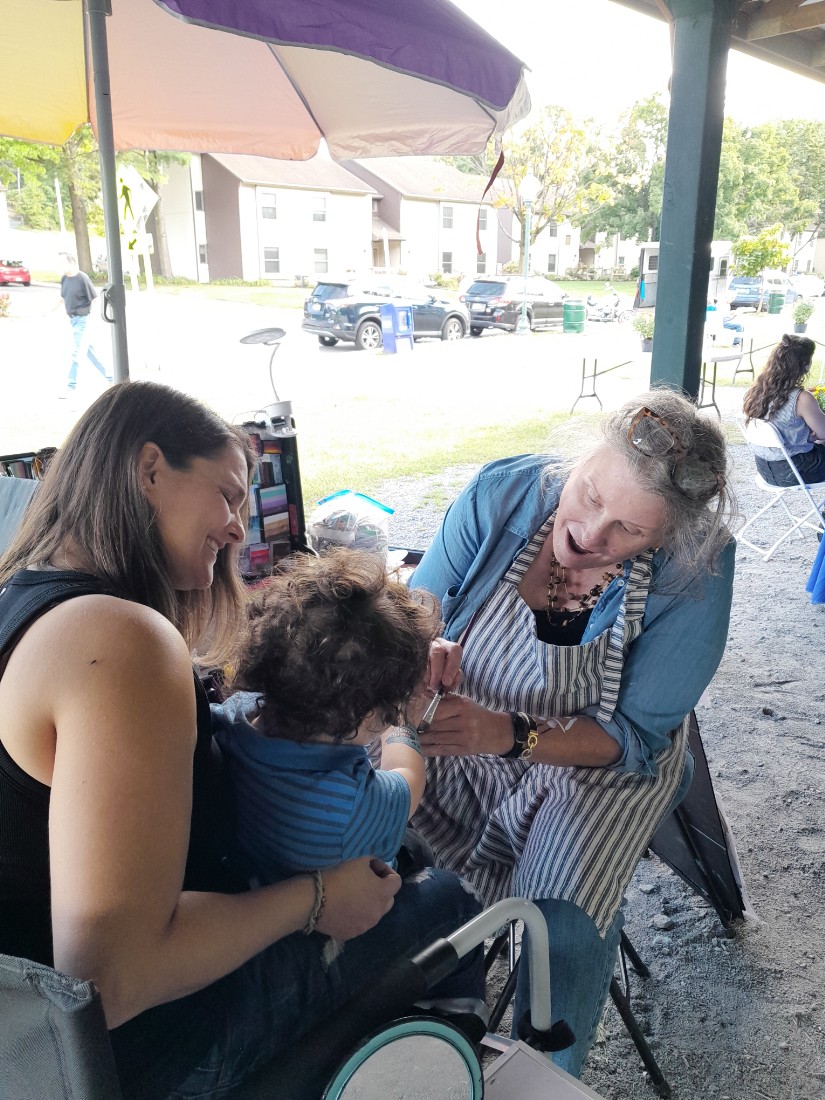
[{"x": 535, "y": 830}]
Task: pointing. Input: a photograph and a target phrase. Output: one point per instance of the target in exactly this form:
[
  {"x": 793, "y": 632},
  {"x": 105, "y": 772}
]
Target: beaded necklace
[{"x": 557, "y": 581}]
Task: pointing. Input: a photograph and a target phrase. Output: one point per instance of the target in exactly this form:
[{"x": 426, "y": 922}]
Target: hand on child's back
[{"x": 358, "y": 894}]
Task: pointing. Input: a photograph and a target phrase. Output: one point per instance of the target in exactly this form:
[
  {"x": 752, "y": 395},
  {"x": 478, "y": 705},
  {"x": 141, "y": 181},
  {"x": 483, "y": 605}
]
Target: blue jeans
[
  {"x": 206, "y": 1044},
  {"x": 79, "y": 344},
  {"x": 581, "y": 966}
]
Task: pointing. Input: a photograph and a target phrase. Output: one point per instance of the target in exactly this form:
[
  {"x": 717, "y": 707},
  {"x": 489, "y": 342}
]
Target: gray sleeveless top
[{"x": 793, "y": 429}]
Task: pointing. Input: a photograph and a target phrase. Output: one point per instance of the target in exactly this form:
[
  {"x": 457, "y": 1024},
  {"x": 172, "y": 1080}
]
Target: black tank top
[{"x": 25, "y": 928}]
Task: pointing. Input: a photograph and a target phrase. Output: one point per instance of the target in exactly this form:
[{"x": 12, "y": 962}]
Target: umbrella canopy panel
[{"x": 372, "y": 79}]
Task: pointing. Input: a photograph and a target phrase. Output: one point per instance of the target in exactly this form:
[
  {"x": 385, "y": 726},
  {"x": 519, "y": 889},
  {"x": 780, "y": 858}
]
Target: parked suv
[
  {"x": 746, "y": 290},
  {"x": 349, "y": 310},
  {"x": 495, "y": 301}
]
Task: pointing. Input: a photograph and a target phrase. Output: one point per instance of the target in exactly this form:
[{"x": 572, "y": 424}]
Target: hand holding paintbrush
[{"x": 445, "y": 664}]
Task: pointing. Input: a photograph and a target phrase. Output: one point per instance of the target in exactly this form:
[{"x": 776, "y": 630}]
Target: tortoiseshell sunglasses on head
[{"x": 653, "y": 436}]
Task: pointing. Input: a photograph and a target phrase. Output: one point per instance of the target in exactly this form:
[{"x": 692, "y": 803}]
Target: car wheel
[
  {"x": 476, "y": 330},
  {"x": 453, "y": 329},
  {"x": 327, "y": 341},
  {"x": 369, "y": 336},
  {"x": 626, "y": 315}
]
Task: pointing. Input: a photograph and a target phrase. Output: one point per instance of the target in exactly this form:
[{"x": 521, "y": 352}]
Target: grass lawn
[{"x": 372, "y": 453}]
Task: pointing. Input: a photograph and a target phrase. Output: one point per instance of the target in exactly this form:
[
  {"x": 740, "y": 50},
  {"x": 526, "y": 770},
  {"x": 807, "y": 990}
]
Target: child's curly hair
[{"x": 331, "y": 639}]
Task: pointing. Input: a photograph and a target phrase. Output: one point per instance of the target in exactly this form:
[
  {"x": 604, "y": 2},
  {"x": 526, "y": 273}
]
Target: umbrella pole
[{"x": 114, "y": 309}]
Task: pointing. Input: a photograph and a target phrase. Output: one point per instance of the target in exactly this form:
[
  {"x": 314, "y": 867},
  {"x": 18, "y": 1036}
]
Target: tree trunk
[
  {"x": 156, "y": 225},
  {"x": 81, "y": 229}
]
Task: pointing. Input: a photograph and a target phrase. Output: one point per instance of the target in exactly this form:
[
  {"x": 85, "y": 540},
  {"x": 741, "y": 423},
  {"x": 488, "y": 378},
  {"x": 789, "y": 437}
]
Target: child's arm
[{"x": 400, "y": 752}]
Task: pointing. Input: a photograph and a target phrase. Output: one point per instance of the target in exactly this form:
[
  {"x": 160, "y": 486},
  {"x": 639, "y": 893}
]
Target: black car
[
  {"x": 349, "y": 310},
  {"x": 495, "y": 301}
]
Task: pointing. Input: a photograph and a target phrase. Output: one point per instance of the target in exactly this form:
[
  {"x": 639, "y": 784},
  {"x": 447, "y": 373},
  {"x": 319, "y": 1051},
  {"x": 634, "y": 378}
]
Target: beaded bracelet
[
  {"x": 318, "y": 905},
  {"x": 405, "y": 735}
]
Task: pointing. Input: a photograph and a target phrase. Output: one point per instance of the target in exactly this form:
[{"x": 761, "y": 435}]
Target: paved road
[{"x": 192, "y": 342}]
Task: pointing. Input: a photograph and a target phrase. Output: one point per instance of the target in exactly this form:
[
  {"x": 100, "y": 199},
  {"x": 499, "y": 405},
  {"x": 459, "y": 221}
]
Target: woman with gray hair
[{"x": 593, "y": 607}]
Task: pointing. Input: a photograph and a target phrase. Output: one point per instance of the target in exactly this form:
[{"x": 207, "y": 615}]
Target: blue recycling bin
[{"x": 396, "y": 327}]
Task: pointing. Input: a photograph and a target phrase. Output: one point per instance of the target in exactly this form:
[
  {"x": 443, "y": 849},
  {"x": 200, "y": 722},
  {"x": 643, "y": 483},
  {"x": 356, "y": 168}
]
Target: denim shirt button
[{"x": 620, "y": 584}]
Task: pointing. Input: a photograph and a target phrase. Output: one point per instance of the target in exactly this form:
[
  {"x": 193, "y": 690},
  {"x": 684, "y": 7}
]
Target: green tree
[
  {"x": 81, "y": 174},
  {"x": 763, "y": 181},
  {"x": 27, "y": 170},
  {"x": 632, "y": 175},
  {"x": 753, "y": 254},
  {"x": 730, "y": 220},
  {"x": 564, "y": 158},
  {"x": 804, "y": 142}
]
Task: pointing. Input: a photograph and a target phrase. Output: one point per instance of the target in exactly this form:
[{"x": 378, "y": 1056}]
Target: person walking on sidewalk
[{"x": 78, "y": 293}]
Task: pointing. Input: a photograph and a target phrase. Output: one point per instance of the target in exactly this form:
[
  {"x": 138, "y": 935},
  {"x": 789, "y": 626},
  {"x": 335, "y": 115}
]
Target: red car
[{"x": 13, "y": 271}]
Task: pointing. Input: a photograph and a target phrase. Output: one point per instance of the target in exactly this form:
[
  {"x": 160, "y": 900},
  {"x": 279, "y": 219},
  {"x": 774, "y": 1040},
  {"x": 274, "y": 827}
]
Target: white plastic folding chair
[{"x": 761, "y": 433}]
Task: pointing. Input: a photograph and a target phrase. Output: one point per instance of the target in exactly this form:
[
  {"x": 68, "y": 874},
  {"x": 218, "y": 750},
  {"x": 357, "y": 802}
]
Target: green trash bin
[
  {"x": 776, "y": 300},
  {"x": 574, "y": 316}
]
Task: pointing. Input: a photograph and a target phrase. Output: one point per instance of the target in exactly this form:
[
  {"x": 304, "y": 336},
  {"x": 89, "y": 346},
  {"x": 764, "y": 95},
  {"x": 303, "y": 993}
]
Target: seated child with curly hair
[{"x": 335, "y": 652}]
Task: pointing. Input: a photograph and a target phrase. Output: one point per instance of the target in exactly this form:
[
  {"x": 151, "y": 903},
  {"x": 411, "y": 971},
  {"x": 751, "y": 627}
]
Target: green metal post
[{"x": 702, "y": 30}]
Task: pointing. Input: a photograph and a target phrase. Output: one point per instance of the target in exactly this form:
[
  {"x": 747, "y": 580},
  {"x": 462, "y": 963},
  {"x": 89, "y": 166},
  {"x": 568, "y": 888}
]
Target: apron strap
[{"x": 627, "y": 627}]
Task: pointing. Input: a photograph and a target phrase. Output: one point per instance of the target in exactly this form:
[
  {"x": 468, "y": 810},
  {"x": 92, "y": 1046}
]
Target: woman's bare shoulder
[{"x": 109, "y": 630}]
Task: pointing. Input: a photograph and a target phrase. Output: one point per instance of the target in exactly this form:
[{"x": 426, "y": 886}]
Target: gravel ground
[{"x": 739, "y": 1017}]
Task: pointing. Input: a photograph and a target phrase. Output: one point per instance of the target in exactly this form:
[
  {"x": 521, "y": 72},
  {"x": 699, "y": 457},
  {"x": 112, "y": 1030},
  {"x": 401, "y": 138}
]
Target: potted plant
[
  {"x": 801, "y": 313},
  {"x": 643, "y": 324}
]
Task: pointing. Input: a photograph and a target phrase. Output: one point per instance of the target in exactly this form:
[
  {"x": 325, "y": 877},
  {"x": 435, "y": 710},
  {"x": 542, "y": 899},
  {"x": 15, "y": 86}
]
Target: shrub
[
  {"x": 5, "y": 305},
  {"x": 446, "y": 282},
  {"x": 643, "y": 324},
  {"x": 802, "y": 310}
]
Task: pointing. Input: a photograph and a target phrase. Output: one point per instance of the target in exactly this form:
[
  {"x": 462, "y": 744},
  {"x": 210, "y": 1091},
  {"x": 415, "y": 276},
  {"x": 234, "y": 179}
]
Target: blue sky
[{"x": 597, "y": 58}]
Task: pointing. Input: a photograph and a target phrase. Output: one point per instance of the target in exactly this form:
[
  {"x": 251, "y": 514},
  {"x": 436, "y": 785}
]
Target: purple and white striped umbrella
[{"x": 267, "y": 77}]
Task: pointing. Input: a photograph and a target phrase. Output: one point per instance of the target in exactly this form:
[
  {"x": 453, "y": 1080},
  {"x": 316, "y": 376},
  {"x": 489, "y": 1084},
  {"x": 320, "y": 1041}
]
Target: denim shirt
[{"x": 685, "y": 623}]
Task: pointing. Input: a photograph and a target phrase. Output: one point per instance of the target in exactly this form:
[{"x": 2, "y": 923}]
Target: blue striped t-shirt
[{"x": 305, "y": 805}]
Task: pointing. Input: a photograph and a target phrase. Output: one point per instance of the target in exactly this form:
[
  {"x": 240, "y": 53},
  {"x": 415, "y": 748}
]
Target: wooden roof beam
[
  {"x": 817, "y": 56},
  {"x": 780, "y": 17}
]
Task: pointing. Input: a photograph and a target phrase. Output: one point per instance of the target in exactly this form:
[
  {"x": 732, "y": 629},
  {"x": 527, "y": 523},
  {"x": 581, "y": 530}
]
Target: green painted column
[{"x": 701, "y": 40}]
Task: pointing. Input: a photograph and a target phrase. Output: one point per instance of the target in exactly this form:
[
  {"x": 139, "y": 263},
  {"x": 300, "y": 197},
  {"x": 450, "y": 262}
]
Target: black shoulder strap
[{"x": 22, "y": 600}]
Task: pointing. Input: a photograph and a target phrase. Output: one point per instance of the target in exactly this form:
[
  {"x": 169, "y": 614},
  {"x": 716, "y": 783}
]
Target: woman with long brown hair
[
  {"x": 112, "y": 859},
  {"x": 778, "y": 396}
]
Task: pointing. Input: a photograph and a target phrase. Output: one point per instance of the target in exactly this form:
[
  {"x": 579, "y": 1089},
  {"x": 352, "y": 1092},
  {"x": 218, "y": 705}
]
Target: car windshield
[
  {"x": 487, "y": 289},
  {"x": 745, "y": 280},
  {"x": 323, "y": 292}
]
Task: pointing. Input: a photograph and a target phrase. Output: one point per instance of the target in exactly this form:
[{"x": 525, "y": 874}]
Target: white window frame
[{"x": 269, "y": 201}]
